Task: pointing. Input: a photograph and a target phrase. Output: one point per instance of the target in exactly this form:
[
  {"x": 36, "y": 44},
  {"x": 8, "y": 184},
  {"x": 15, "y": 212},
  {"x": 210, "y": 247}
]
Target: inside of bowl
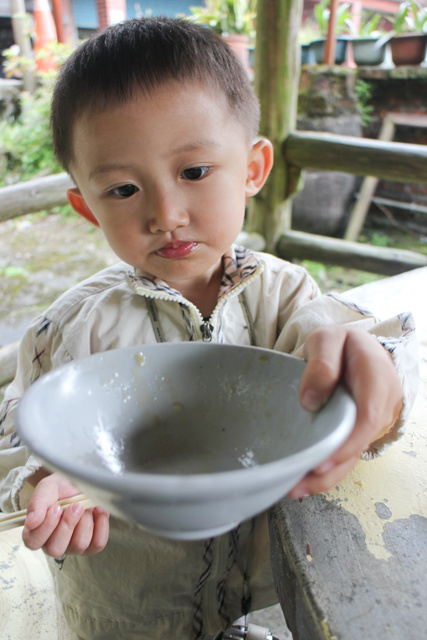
[{"x": 176, "y": 408}]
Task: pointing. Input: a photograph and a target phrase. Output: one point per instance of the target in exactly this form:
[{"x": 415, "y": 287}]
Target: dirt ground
[{"x": 40, "y": 257}]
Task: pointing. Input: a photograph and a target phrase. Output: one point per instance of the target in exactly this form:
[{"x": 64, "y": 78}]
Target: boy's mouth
[{"x": 175, "y": 250}]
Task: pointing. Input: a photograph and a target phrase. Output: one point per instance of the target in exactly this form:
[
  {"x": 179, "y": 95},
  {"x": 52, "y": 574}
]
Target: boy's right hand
[{"x": 73, "y": 530}]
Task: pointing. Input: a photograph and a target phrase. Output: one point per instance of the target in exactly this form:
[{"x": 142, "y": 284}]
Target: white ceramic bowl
[{"x": 186, "y": 439}]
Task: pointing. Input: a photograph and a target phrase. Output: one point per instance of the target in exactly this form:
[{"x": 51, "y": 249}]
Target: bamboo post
[
  {"x": 277, "y": 64},
  {"x": 22, "y": 39}
]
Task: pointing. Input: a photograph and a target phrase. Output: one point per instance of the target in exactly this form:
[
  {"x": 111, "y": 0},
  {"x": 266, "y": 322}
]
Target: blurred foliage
[
  {"x": 321, "y": 13},
  {"x": 227, "y": 16},
  {"x": 26, "y": 149},
  {"x": 363, "y": 91}
]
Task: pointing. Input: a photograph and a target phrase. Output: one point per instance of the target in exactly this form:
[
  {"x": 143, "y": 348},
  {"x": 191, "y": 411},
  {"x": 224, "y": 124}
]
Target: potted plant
[
  {"x": 307, "y": 33},
  {"x": 408, "y": 39},
  {"x": 234, "y": 20},
  {"x": 367, "y": 48},
  {"x": 321, "y": 14}
]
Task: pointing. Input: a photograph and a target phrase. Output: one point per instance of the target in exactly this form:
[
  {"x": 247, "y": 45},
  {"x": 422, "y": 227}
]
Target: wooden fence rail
[
  {"x": 396, "y": 161},
  {"x": 400, "y": 162},
  {"x": 354, "y": 255},
  {"x": 34, "y": 195}
]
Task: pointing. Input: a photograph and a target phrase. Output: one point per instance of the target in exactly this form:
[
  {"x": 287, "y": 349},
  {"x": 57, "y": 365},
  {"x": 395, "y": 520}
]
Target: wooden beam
[
  {"x": 34, "y": 195},
  {"x": 398, "y": 161},
  {"x": 21, "y": 35},
  {"x": 277, "y": 64},
  {"x": 354, "y": 255}
]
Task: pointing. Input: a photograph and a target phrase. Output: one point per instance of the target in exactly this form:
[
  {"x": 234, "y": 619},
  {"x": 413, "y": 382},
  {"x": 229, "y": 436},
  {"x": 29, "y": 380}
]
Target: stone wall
[
  {"x": 328, "y": 102},
  {"x": 402, "y": 90}
]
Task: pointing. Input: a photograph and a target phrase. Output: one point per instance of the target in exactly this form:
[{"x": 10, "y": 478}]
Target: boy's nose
[{"x": 167, "y": 214}]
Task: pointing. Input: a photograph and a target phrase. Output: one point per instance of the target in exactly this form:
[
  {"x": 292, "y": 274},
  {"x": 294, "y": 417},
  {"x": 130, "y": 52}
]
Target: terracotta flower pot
[
  {"x": 408, "y": 48},
  {"x": 239, "y": 43}
]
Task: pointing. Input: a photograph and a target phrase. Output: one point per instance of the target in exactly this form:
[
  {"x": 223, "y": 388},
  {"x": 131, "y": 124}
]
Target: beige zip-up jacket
[{"x": 142, "y": 586}]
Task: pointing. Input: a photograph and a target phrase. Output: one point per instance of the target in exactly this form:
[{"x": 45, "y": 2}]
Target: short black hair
[{"x": 141, "y": 55}]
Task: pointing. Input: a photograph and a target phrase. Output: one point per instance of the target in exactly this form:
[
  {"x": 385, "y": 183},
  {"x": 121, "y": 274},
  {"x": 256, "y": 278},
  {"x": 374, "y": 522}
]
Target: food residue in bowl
[
  {"x": 140, "y": 358},
  {"x": 247, "y": 459}
]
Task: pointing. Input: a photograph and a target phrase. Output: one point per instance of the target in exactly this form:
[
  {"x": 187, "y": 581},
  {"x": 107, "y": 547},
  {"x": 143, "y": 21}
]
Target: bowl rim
[{"x": 172, "y": 486}]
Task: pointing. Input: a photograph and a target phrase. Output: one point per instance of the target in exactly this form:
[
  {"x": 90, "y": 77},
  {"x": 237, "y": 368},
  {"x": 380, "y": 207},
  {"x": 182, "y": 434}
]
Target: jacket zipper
[{"x": 206, "y": 327}]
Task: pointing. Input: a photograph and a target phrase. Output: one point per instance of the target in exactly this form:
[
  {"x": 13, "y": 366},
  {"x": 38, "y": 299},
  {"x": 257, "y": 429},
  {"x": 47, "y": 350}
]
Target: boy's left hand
[{"x": 355, "y": 357}]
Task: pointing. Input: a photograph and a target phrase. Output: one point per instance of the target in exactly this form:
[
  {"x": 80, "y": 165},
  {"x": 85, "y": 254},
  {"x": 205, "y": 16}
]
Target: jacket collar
[{"x": 239, "y": 265}]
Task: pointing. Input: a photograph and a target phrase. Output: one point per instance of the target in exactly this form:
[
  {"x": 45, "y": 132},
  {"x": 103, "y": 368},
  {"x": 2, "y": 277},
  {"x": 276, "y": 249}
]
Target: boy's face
[{"x": 166, "y": 177}]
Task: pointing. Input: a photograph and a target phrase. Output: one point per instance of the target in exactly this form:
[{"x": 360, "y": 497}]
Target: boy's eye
[
  {"x": 124, "y": 191},
  {"x": 194, "y": 173}
]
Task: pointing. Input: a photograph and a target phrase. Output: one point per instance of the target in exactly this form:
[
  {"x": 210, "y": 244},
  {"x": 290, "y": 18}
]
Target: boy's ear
[
  {"x": 259, "y": 166},
  {"x": 78, "y": 203}
]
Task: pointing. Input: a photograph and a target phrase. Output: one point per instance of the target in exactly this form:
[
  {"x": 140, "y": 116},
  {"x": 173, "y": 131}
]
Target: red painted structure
[{"x": 110, "y": 12}]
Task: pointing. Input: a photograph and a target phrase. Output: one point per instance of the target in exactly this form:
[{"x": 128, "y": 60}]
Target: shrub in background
[{"x": 26, "y": 149}]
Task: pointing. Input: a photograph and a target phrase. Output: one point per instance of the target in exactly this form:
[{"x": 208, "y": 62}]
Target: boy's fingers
[
  {"x": 59, "y": 540},
  {"x": 82, "y": 535},
  {"x": 317, "y": 483},
  {"x": 35, "y": 517},
  {"x": 101, "y": 531},
  {"x": 36, "y": 538},
  {"x": 79, "y": 532},
  {"x": 368, "y": 373},
  {"x": 45, "y": 495},
  {"x": 377, "y": 394},
  {"x": 370, "y": 376},
  {"x": 91, "y": 534},
  {"x": 323, "y": 352}
]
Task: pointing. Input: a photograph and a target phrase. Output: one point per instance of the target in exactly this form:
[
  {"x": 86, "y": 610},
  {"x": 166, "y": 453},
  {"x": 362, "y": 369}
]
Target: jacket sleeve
[
  {"x": 397, "y": 335},
  {"x": 35, "y": 358}
]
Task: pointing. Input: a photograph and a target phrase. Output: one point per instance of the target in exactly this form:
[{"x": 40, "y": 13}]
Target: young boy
[{"x": 156, "y": 122}]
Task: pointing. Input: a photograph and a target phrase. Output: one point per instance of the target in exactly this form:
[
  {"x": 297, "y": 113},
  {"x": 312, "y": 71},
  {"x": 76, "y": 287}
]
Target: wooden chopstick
[{"x": 17, "y": 518}]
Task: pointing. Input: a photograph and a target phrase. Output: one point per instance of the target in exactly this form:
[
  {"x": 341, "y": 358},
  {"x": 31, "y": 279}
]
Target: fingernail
[
  {"x": 56, "y": 510},
  {"x": 312, "y": 400},
  {"x": 325, "y": 467},
  {"x": 77, "y": 509},
  {"x": 298, "y": 494},
  {"x": 29, "y": 518}
]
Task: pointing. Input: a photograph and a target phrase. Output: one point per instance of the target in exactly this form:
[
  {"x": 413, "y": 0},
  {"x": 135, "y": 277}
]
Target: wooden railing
[
  {"x": 34, "y": 195},
  {"x": 398, "y": 161},
  {"x": 395, "y": 161}
]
